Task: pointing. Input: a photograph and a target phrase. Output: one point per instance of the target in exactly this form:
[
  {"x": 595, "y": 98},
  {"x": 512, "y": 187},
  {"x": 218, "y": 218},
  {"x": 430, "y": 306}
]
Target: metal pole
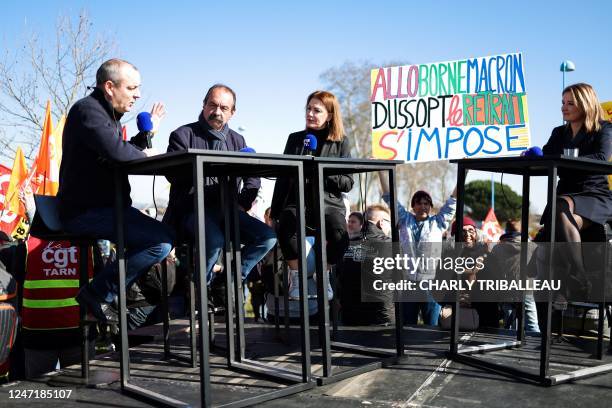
[
  {"x": 202, "y": 298},
  {"x": 493, "y": 192},
  {"x": 563, "y": 87}
]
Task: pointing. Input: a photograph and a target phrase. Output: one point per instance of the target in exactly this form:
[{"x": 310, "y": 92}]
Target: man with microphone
[
  {"x": 211, "y": 132},
  {"x": 92, "y": 143}
]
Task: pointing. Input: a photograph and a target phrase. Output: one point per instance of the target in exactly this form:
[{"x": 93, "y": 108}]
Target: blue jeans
[
  {"x": 258, "y": 239},
  {"x": 430, "y": 311},
  {"x": 147, "y": 242},
  {"x": 531, "y": 315}
]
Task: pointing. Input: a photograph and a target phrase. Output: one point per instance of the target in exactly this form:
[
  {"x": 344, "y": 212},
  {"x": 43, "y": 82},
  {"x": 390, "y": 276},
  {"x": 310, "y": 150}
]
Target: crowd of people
[{"x": 92, "y": 142}]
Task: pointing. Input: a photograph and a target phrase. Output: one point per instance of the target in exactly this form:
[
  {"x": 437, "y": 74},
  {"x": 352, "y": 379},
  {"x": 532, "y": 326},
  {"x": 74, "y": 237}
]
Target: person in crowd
[
  {"x": 92, "y": 144},
  {"x": 473, "y": 314},
  {"x": 260, "y": 281},
  {"x": 513, "y": 225},
  {"x": 145, "y": 296},
  {"x": 420, "y": 233},
  {"x": 212, "y": 132},
  {"x": 475, "y": 248},
  {"x": 504, "y": 262},
  {"x": 323, "y": 121},
  {"x": 354, "y": 225},
  {"x": 8, "y": 315},
  {"x": 377, "y": 232},
  {"x": 583, "y": 199},
  {"x": 51, "y": 330}
]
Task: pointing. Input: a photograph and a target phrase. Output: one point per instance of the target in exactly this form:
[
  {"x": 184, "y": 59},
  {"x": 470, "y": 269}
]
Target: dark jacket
[
  {"x": 593, "y": 145},
  {"x": 357, "y": 259},
  {"x": 196, "y": 135},
  {"x": 285, "y": 190},
  {"x": 92, "y": 142}
]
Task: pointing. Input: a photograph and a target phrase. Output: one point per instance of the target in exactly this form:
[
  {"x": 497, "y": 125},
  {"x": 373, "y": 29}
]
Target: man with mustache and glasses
[{"x": 211, "y": 132}]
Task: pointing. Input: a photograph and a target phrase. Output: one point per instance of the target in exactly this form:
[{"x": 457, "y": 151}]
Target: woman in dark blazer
[
  {"x": 323, "y": 121},
  {"x": 582, "y": 199}
]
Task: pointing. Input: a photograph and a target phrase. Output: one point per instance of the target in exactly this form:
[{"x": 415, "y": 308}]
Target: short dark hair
[
  {"x": 357, "y": 215},
  {"x": 513, "y": 225},
  {"x": 110, "y": 71},
  {"x": 220, "y": 86},
  {"x": 419, "y": 195}
]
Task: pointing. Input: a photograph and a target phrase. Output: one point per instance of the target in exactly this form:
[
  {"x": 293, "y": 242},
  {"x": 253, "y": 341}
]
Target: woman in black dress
[
  {"x": 323, "y": 121},
  {"x": 582, "y": 199}
]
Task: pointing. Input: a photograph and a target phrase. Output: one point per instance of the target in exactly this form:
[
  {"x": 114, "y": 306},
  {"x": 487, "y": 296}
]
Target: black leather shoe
[
  {"x": 86, "y": 298},
  {"x": 111, "y": 313}
]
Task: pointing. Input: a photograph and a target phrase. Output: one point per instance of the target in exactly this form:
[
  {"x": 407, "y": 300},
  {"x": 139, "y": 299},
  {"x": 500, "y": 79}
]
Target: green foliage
[{"x": 478, "y": 198}]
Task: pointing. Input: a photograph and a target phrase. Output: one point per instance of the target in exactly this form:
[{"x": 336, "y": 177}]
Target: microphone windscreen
[
  {"x": 310, "y": 142},
  {"x": 534, "y": 151},
  {"x": 247, "y": 150},
  {"x": 144, "y": 122}
]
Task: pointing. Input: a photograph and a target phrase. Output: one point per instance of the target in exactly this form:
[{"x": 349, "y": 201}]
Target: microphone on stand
[
  {"x": 145, "y": 125},
  {"x": 310, "y": 145}
]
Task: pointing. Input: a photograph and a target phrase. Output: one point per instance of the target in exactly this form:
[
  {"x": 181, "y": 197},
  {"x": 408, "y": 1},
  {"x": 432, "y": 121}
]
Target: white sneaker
[{"x": 330, "y": 291}]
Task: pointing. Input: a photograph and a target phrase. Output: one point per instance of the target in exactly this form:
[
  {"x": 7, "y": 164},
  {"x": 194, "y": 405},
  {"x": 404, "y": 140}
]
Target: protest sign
[{"x": 475, "y": 107}]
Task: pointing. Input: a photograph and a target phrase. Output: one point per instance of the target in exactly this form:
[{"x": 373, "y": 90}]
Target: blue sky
[{"x": 272, "y": 53}]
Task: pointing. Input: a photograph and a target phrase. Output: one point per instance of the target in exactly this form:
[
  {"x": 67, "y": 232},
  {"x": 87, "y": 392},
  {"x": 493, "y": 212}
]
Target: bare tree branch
[
  {"x": 350, "y": 82},
  {"x": 39, "y": 70}
]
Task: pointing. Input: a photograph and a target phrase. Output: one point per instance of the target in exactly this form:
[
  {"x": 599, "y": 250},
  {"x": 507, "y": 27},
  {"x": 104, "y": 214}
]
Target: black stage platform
[{"x": 424, "y": 378}]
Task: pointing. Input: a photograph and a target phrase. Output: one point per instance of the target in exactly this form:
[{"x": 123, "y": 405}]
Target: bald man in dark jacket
[{"x": 92, "y": 144}]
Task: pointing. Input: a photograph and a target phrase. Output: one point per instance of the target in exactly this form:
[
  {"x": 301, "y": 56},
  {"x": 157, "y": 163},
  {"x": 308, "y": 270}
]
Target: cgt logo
[{"x": 60, "y": 257}]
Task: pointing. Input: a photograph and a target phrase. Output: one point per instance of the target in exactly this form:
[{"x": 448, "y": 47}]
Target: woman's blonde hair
[
  {"x": 586, "y": 100},
  {"x": 329, "y": 100}
]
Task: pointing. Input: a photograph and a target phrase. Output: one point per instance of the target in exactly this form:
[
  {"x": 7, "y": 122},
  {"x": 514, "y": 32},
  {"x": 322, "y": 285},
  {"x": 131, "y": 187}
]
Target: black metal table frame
[
  {"x": 318, "y": 169},
  {"x": 526, "y": 167},
  {"x": 226, "y": 164}
]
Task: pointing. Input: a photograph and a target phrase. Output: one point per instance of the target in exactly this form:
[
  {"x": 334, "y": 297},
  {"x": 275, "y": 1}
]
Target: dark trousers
[
  {"x": 147, "y": 242},
  {"x": 335, "y": 231}
]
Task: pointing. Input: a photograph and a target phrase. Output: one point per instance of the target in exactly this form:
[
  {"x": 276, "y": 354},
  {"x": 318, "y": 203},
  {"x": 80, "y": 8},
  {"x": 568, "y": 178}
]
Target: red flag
[
  {"x": 8, "y": 219},
  {"x": 490, "y": 226},
  {"x": 41, "y": 168},
  {"x": 19, "y": 175}
]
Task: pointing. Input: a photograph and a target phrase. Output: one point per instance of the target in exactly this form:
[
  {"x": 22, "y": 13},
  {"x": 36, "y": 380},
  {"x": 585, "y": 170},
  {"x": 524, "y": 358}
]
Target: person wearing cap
[
  {"x": 418, "y": 230},
  {"x": 470, "y": 231},
  {"x": 473, "y": 247}
]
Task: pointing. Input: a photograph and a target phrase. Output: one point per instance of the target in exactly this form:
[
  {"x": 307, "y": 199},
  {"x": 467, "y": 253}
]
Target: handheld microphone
[
  {"x": 247, "y": 150},
  {"x": 534, "y": 151},
  {"x": 145, "y": 124},
  {"x": 310, "y": 145}
]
